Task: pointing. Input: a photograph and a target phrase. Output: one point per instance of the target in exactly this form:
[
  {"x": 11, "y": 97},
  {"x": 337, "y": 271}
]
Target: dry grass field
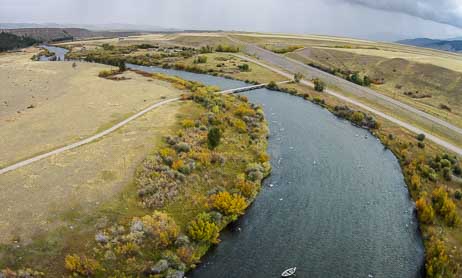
[
  {"x": 65, "y": 104},
  {"x": 35, "y": 197},
  {"x": 435, "y": 86}
]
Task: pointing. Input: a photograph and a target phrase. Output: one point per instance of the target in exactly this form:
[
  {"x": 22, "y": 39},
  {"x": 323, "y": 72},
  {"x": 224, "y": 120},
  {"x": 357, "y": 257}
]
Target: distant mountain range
[
  {"x": 94, "y": 27},
  {"x": 57, "y": 32},
  {"x": 453, "y": 45},
  {"x": 61, "y": 34}
]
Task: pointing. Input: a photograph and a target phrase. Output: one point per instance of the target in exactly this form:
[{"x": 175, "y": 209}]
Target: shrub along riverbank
[
  {"x": 203, "y": 177},
  {"x": 434, "y": 179}
]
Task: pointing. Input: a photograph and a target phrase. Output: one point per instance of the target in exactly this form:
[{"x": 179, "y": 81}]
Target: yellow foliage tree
[
  {"x": 203, "y": 229},
  {"x": 444, "y": 206},
  {"x": 415, "y": 181},
  {"x": 229, "y": 204},
  {"x": 425, "y": 211}
]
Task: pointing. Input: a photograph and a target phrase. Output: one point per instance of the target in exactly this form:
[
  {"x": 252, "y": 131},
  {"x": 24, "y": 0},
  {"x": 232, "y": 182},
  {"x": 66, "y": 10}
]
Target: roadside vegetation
[{"x": 283, "y": 49}]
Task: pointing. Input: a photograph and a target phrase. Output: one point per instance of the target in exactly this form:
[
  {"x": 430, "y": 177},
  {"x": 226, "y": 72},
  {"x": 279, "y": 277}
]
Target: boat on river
[{"x": 289, "y": 272}]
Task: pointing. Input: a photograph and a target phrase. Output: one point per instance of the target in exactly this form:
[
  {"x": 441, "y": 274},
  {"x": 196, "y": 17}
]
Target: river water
[
  {"x": 58, "y": 51},
  {"x": 335, "y": 205}
]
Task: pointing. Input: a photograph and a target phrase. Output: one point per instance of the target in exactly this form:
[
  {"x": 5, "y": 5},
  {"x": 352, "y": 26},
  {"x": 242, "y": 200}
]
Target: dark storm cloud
[
  {"x": 386, "y": 19},
  {"x": 442, "y": 11}
]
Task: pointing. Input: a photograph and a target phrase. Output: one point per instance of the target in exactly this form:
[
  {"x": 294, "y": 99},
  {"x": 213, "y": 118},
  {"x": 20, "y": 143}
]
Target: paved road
[
  {"x": 408, "y": 126},
  {"x": 294, "y": 66},
  {"x": 112, "y": 129}
]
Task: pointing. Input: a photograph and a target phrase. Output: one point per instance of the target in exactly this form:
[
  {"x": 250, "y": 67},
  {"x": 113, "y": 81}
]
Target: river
[
  {"x": 335, "y": 205},
  {"x": 58, "y": 51}
]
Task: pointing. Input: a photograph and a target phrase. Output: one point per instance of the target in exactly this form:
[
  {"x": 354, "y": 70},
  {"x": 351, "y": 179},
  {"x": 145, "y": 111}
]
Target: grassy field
[
  {"x": 65, "y": 104},
  {"x": 228, "y": 65},
  {"x": 55, "y": 206}
]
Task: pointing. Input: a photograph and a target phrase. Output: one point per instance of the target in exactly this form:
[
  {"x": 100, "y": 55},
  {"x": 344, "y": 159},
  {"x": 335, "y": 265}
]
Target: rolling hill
[{"x": 446, "y": 45}]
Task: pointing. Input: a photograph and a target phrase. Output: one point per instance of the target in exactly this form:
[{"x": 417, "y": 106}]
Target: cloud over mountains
[{"x": 441, "y": 11}]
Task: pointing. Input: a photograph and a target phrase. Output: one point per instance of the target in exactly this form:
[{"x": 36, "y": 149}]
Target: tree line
[{"x": 10, "y": 41}]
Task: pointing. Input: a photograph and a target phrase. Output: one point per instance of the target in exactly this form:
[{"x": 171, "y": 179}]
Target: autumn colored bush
[
  {"x": 161, "y": 227},
  {"x": 228, "y": 204},
  {"x": 177, "y": 164},
  {"x": 186, "y": 255},
  {"x": 128, "y": 249},
  {"x": 425, "y": 210},
  {"x": 240, "y": 125},
  {"x": 437, "y": 262},
  {"x": 203, "y": 229},
  {"x": 81, "y": 265},
  {"x": 247, "y": 188},
  {"x": 187, "y": 123},
  {"x": 244, "y": 110},
  {"x": 444, "y": 206},
  {"x": 415, "y": 181}
]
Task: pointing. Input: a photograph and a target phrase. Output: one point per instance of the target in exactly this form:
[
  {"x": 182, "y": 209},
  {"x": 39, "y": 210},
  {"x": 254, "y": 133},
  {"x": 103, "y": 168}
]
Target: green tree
[
  {"x": 318, "y": 85},
  {"x": 200, "y": 60},
  {"x": 213, "y": 137},
  {"x": 272, "y": 86},
  {"x": 421, "y": 137},
  {"x": 244, "y": 67},
  {"x": 298, "y": 77},
  {"x": 122, "y": 66},
  {"x": 366, "y": 81},
  {"x": 357, "y": 117},
  {"x": 355, "y": 79}
]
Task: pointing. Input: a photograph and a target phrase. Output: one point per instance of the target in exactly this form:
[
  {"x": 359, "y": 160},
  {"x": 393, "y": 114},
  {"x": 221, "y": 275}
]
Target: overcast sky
[{"x": 356, "y": 18}]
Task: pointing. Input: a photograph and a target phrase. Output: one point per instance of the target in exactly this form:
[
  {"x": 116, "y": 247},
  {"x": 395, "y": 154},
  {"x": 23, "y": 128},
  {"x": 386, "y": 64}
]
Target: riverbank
[{"x": 181, "y": 196}]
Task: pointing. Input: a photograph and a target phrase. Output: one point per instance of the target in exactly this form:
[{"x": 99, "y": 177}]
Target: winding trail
[
  {"x": 401, "y": 123},
  {"x": 114, "y": 128}
]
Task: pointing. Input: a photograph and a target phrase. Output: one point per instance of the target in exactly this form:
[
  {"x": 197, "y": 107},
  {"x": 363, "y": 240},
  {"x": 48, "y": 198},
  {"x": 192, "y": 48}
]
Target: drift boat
[{"x": 289, "y": 272}]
